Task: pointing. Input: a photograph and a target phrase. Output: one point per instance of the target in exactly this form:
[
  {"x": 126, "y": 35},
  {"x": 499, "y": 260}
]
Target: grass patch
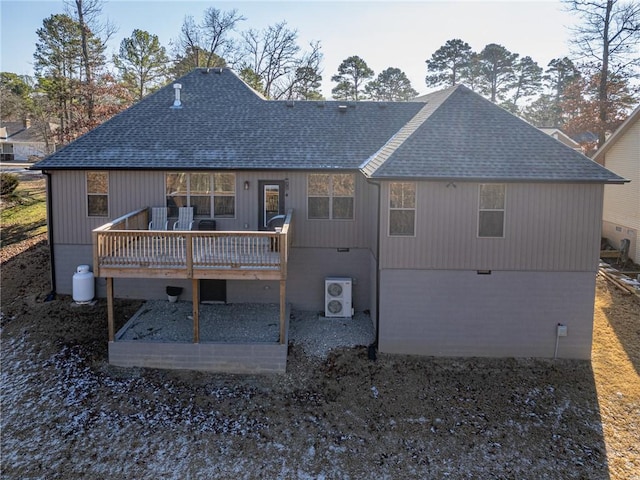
[{"x": 23, "y": 214}]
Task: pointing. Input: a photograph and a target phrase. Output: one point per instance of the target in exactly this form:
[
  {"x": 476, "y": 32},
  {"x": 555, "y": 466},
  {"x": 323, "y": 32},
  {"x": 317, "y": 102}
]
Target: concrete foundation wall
[{"x": 502, "y": 314}]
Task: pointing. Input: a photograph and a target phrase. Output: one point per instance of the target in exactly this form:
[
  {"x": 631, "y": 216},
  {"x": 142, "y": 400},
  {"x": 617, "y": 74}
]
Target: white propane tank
[{"x": 83, "y": 285}]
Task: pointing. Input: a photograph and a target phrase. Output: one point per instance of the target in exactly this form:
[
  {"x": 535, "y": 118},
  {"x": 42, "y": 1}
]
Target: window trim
[
  {"x": 503, "y": 210},
  {"x": 96, "y": 194},
  {"x": 414, "y": 209},
  {"x": 211, "y": 196},
  {"x": 331, "y": 197}
]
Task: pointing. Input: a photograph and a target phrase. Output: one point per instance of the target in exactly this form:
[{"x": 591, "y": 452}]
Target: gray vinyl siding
[
  {"x": 308, "y": 267},
  {"x": 333, "y": 233},
  {"x": 505, "y": 314},
  {"x": 314, "y": 255},
  {"x": 548, "y": 227},
  {"x": 128, "y": 191},
  {"x": 131, "y": 190}
]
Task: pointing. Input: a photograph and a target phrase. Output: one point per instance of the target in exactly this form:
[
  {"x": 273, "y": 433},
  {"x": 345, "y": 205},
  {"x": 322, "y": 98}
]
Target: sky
[{"x": 401, "y": 34}]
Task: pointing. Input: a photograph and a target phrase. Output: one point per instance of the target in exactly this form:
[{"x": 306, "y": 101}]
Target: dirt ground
[{"x": 67, "y": 414}]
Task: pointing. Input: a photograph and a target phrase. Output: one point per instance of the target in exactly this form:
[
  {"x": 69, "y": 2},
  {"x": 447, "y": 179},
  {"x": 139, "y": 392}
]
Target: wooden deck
[
  {"x": 121, "y": 252},
  {"x": 125, "y": 248}
]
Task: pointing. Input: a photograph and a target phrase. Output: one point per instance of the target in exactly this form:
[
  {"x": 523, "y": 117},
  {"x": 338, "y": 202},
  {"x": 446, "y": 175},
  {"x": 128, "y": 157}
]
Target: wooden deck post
[
  {"x": 96, "y": 258},
  {"x": 112, "y": 333},
  {"x": 283, "y": 245},
  {"x": 195, "y": 287},
  {"x": 283, "y": 310}
]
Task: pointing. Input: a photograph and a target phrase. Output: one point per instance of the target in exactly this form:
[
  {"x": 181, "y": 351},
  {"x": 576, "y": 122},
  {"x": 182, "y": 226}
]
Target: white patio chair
[
  {"x": 159, "y": 219},
  {"x": 185, "y": 219}
]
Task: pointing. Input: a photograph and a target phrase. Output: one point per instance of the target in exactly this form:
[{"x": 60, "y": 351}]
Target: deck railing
[{"x": 125, "y": 248}]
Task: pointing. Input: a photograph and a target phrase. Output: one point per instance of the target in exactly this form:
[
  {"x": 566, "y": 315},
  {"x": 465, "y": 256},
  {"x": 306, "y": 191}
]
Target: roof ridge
[{"x": 377, "y": 160}]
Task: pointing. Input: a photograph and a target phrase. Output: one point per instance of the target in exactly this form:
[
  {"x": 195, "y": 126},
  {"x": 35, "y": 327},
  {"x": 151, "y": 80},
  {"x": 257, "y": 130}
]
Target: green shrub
[{"x": 8, "y": 183}]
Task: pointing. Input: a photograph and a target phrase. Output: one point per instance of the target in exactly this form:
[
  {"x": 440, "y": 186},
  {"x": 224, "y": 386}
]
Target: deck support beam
[
  {"x": 123, "y": 248},
  {"x": 110, "y": 315},
  {"x": 195, "y": 287}
]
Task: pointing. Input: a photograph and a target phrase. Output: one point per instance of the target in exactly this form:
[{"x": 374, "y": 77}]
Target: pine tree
[
  {"x": 391, "y": 85},
  {"x": 351, "y": 77},
  {"x": 142, "y": 62},
  {"x": 448, "y": 64}
]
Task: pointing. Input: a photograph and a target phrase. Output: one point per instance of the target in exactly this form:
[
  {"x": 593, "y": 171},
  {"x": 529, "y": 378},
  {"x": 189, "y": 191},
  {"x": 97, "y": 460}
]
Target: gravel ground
[{"x": 162, "y": 321}]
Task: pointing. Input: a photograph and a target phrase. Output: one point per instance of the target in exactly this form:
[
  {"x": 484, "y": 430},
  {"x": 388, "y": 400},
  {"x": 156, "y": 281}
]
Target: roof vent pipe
[{"x": 177, "y": 103}]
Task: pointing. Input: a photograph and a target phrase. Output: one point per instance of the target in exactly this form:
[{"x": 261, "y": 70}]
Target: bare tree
[
  {"x": 273, "y": 54},
  {"x": 609, "y": 37},
  {"x": 209, "y": 43},
  {"x": 217, "y": 27},
  {"x": 303, "y": 81},
  {"x": 190, "y": 43}
]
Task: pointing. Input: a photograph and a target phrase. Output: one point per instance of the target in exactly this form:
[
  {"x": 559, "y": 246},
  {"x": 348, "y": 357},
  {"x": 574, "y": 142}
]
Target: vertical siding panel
[
  {"x": 622, "y": 202},
  {"x": 333, "y": 233},
  {"x": 547, "y": 227},
  {"x": 134, "y": 190},
  {"x": 70, "y": 219},
  {"x": 128, "y": 191}
]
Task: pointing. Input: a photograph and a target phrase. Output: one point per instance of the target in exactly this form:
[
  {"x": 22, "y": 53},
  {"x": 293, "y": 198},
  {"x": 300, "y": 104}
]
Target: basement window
[
  {"x": 491, "y": 211},
  {"x": 97, "y": 194}
]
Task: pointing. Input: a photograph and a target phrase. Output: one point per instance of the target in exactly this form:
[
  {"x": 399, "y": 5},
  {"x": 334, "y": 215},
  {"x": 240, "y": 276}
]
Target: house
[
  {"x": 464, "y": 230},
  {"x": 621, "y": 211},
  {"x": 22, "y": 141},
  {"x": 562, "y": 137}
]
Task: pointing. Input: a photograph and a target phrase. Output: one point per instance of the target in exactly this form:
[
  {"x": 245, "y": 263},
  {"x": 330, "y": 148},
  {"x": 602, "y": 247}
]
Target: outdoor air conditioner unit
[{"x": 337, "y": 297}]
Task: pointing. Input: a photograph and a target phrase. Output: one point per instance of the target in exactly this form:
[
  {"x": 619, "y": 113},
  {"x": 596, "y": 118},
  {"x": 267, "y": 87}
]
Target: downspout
[
  {"x": 52, "y": 263},
  {"x": 374, "y": 346}
]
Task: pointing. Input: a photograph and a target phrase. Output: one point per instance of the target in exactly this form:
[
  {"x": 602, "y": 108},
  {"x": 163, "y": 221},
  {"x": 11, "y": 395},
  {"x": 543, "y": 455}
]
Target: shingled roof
[
  {"x": 463, "y": 136},
  {"x": 224, "y": 124}
]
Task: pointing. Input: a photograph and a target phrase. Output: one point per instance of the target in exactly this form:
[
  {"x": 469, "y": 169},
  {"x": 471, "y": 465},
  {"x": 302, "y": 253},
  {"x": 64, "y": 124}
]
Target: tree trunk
[
  {"x": 602, "y": 89},
  {"x": 86, "y": 58}
]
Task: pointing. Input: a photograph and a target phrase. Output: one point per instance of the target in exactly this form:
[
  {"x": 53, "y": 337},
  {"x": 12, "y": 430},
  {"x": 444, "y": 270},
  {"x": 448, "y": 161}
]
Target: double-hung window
[
  {"x": 97, "y": 194},
  {"x": 205, "y": 192},
  {"x": 402, "y": 209},
  {"x": 491, "y": 210},
  {"x": 330, "y": 196}
]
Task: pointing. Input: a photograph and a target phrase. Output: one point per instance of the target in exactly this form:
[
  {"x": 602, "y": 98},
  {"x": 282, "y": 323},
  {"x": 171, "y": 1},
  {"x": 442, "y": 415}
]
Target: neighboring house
[
  {"x": 562, "y": 137},
  {"x": 22, "y": 141},
  {"x": 466, "y": 231},
  {"x": 621, "y": 211}
]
